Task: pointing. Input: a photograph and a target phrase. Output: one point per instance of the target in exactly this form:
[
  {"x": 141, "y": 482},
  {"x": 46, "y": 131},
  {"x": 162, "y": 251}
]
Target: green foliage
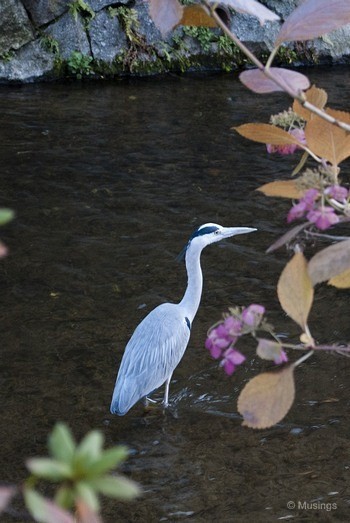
[
  {"x": 6, "y": 215},
  {"x": 50, "y": 44},
  {"x": 286, "y": 55},
  {"x": 6, "y": 56},
  {"x": 204, "y": 35},
  {"x": 81, "y": 472},
  {"x": 113, "y": 11},
  {"x": 79, "y": 7},
  {"x": 129, "y": 21},
  {"x": 79, "y": 65}
]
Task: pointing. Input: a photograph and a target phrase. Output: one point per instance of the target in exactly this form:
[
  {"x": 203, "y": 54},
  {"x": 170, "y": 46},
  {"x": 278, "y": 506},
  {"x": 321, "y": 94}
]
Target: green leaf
[
  {"x": 61, "y": 443},
  {"x": 50, "y": 469},
  {"x": 6, "y": 215},
  {"x": 109, "y": 459},
  {"x": 116, "y": 487},
  {"x": 44, "y": 510},
  {"x": 86, "y": 492},
  {"x": 89, "y": 450},
  {"x": 65, "y": 497}
]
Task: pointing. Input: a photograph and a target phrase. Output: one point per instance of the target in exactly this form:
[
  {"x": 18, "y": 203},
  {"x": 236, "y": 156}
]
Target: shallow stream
[{"x": 108, "y": 181}]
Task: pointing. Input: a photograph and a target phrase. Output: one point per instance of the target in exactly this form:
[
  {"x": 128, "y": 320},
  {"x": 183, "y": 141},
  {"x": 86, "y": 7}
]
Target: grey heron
[{"x": 160, "y": 340}]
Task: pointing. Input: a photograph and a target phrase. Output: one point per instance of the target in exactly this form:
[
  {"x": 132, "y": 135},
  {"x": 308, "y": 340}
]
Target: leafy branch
[
  {"x": 318, "y": 196},
  {"x": 309, "y": 20},
  {"x": 81, "y": 472}
]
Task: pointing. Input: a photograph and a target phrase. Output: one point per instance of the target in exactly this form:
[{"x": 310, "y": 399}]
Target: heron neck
[{"x": 192, "y": 297}]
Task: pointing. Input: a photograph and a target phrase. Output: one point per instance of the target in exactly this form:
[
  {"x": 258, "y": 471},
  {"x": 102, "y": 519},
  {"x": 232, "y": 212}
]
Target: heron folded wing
[{"x": 153, "y": 352}]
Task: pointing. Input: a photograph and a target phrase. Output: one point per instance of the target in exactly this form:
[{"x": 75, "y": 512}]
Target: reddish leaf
[
  {"x": 330, "y": 262},
  {"x": 166, "y": 14},
  {"x": 267, "y": 398},
  {"x": 268, "y": 349},
  {"x": 258, "y": 82},
  {"x": 266, "y": 133},
  {"x": 282, "y": 189},
  {"x": 314, "y": 18},
  {"x": 287, "y": 237},
  {"x": 86, "y": 514},
  {"x": 6, "y": 494},
  {"x": 195, "y": 15},
  {"x": 295, "y": 291},
  {"x": 251, "y": 7}
]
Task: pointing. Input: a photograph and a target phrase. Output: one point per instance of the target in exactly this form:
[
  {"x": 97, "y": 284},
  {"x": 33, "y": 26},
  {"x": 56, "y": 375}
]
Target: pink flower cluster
[
  {"x": 222, "y": 338},
  {"x": 288, "y": 148},
  {"x": 312, "y": 206}
]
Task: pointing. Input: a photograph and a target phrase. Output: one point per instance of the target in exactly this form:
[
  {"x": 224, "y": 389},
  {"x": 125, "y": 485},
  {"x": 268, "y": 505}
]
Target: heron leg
[
  {"x": 147, "y": 401},
  {"x": 166, "y": 392}
]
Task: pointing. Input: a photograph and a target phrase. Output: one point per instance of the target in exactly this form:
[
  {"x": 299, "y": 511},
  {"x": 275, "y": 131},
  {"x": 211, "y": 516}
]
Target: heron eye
[{"x": 217, "y": 231}]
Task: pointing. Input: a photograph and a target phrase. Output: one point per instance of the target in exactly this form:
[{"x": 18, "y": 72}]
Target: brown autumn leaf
[
  {"x": 327, "y": 140},
  {"x": 295, "y": 291},
  {"x": 313, "y": 18},
  {"x": 330, "y": 262},
  {"x": 287, "y": 237},
  {"x": 250, "y": 7},
  {"x": 166, "y": 14},
  {"x": 195, "y": 15},
  {"x": 341, "y": 281},
  {"x": 315, "y": 96},
  {"x": 301, "y": 164},
  {"x": 339, "y": 115},
  {"x": 267, "y": 398},
  {"x": 267, "y": 133},
  {"x": 258, "y": 82},
  {"x": 282, "y": 189}
]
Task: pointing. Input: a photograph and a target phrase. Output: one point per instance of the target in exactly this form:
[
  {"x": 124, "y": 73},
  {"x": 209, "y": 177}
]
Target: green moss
[
  {"x": 7, "y": 56},
  {"x": 286, "y": 55},
  {"x": 50, "y": 44},
  {"x": 129, "y": 21},
  {"x": 203, "y": 35},
  {"x": 79, "y": 7}
]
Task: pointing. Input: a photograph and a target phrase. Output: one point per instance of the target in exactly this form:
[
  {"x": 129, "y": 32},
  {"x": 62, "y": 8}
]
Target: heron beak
[{"x": 233, "y": 231}]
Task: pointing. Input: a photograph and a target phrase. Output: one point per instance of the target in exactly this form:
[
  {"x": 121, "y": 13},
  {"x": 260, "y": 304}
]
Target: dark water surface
[{"x": 108, "y": 181}]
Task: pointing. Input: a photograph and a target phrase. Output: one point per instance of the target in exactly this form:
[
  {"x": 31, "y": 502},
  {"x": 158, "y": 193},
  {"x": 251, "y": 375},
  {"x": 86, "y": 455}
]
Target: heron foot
[
  {"x": 149, "y": 405},
  {"x": 148, "y": 400}
]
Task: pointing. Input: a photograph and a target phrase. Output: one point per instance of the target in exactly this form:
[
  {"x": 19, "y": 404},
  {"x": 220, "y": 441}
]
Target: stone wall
[{"x": 51, "y": 39}]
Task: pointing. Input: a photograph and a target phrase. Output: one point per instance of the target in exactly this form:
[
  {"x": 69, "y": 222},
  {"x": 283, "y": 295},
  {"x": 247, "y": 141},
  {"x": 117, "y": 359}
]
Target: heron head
[{"x": 210, "y": 233}]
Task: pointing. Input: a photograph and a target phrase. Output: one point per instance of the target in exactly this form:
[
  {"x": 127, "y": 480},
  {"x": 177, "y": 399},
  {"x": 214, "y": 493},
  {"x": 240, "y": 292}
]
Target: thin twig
[
  {"x": 303, "y": 358},
  {"x": 211, "y": 9},
  {"x": 327, "y": 236}
]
